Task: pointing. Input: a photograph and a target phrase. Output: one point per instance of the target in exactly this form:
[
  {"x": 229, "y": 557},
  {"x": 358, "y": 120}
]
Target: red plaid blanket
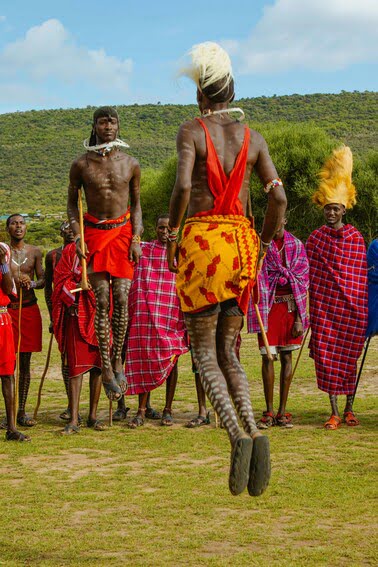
[
  {"x": 156, "y": 334},
  {"x": 338, "y": 305}
]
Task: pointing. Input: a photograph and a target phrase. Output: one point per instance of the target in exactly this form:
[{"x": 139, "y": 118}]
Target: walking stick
[
  {"x": 361, "y": 366},
  {"x": 84, "y": 281},
  {"x": 17, "y": 380},
  {"x": 110, "y": 413},
  {"x": 43, "y": 376},
  {"x": 263, "y": 333},
  {"x": 300, "y": 352}
]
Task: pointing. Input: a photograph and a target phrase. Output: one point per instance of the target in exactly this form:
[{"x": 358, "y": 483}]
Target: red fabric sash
[
  {"x": 225, "y": 189},
  {"x": 108, "y": 250}
]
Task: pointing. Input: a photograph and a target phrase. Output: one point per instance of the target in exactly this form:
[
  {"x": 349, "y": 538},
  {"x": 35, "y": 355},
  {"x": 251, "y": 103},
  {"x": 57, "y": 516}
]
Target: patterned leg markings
[
  {"x": 24, "y": 383},
  {"x": 259, "y": 463},
  {"x": 102, "y": 328},
  {"x": 23, "y": 390},
  {"x": 227, "y": 334},
  {"x": 202, "y": 332},
  {"x": 121, "y": 289},
  {"x": 66, "y": 380}
]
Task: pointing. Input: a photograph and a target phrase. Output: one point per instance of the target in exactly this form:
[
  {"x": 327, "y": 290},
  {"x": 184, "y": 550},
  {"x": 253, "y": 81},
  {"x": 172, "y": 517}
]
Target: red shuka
[
  {"x": 7, "y": 354},
  {"x": 31, "y": 328},
  {"x": 108, "y": 250}
]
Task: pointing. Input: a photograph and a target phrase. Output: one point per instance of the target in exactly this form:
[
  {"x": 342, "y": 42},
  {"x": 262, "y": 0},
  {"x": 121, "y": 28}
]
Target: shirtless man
[
  {"x": 110, "y": 179},
  {"x": 51, "y": 260},
  {"x": 26, "y": 263},
  {"x": 217, "y": 257}
]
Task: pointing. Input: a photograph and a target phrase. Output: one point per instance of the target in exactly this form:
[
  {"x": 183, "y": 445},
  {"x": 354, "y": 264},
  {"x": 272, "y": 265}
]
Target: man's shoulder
[
  {"x": 79, "y": 162},
  {"x": 33, "y": 249}
]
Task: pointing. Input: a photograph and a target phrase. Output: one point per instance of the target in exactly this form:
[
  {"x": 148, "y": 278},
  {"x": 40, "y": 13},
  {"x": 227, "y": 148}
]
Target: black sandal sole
[
  {"x": 240, "y": 464},
  {"x": 260, "y": 469}
]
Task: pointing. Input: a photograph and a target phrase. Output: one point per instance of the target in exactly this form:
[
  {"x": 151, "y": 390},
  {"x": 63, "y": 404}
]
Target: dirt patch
[{"x": 76, "y": 463}]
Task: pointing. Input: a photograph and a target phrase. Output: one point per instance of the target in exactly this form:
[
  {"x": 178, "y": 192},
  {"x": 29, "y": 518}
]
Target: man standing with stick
[
  {"x": 283, "y": 283},
  {"x": 338, "y": 288},
  {"x": 26, "y": 317},
  {"x": 110, "y": 178},
  {"x": 217, "y": 258},
  {"x": 51, "y": 260}
]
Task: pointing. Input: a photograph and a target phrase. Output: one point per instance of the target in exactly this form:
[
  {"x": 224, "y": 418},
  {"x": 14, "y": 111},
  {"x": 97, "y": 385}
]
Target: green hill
[{"x": 37, "y": 147}]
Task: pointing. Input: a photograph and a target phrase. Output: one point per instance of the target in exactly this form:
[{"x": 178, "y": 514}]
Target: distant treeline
[{"x": 38, "y": 147}]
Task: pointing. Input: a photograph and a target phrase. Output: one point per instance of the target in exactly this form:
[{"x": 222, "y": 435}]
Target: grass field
[{"x": 159, "y": 496}]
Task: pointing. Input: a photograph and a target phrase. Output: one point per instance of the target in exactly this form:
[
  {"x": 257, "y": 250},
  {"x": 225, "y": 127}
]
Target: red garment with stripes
[
  {"x": 225, "y": 188},
  {"x": 338, "y": 305},
  {"x": 7, "y": 354},
  {"x": 67, "y": 277}
]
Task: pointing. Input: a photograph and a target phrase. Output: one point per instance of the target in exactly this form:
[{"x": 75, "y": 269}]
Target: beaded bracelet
[
  {"x": 4, "y": 269},
  {"x": 175, "y": 229},
  {"x": 267, "y": 244},
  {"x": 273, "y": 184},
  {"x": 77, "y": 237},
  {"x": 172, "y": 236},
  {"x": 33, "y": 285},
  {"x": 136, "y": 239}
]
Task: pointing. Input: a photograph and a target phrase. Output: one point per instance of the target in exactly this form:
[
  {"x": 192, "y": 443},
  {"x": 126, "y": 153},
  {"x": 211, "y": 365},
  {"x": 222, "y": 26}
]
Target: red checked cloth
[
  {"x": 338, "y": 305},
  {"x": 156, "y": 334}
]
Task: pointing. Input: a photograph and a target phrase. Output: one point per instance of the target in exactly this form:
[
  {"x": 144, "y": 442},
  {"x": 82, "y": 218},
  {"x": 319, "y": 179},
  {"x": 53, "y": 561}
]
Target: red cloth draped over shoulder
[
  {"x": 108, "y": 250},
  {"x": 225, "y": 188}
]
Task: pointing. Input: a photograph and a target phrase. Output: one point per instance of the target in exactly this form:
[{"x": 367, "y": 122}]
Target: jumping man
[
  {"x": 110, "y": 179},
  {"x": 219, "y": 251}
]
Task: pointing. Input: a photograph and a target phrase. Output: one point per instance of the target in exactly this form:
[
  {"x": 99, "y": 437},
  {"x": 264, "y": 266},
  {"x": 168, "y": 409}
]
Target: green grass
[{"x": 159, "y": 495}]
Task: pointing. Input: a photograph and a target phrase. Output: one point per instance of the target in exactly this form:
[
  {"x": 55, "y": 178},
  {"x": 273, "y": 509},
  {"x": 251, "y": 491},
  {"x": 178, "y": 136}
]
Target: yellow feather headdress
[
  {"x": 210, "y": 63},
  {"x": 336, "y": 180}
]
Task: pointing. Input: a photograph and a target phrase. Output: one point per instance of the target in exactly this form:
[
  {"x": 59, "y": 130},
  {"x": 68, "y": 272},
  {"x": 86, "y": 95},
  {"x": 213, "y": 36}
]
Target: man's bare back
[{"x": 227, "y": 136}]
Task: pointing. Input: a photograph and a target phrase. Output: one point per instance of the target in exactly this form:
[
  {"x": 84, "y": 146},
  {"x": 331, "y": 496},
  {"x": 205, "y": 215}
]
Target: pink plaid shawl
[
  {"x": 274, "y": 273},
  {"x": 338, "y": 305},
  {"x": 156, "y": 334}
]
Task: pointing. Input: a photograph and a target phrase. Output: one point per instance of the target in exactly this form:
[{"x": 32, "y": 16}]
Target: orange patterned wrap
[{"x": 217, "y": 261}]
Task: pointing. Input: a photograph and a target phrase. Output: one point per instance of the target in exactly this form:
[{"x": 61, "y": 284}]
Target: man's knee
[
  {"x": 102, "y": 300},
  {"x": 226, "y": 355}
]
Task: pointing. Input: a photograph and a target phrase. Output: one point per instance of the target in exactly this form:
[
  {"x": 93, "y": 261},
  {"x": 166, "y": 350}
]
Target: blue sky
[{"x": 78, "y": 53}]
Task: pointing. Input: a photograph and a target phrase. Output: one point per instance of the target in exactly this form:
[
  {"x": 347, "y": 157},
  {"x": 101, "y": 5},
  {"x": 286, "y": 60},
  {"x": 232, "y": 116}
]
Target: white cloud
[
  {"x": 323, "y": 35},
  {"x": 49, "y": 52}
]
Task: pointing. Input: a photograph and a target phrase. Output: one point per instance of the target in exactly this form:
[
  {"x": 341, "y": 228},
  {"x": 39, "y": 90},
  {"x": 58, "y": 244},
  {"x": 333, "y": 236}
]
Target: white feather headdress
[{"x": 210, "y": 63}]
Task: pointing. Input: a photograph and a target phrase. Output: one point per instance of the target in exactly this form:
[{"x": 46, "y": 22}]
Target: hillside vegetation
[{"x": 38, "y": 147}]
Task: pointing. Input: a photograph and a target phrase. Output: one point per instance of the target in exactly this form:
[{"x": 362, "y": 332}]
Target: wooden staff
[
  {"x": 361, "y": 366},
  {"x": 263, "y": 333},
  {"x": 84, "y": 280},
  {"x": 300, "y": 352},
  {"x": 110, "y": 413},
  {"x": 43, "y": 376},
  {"x": 17, "y": 380}
]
